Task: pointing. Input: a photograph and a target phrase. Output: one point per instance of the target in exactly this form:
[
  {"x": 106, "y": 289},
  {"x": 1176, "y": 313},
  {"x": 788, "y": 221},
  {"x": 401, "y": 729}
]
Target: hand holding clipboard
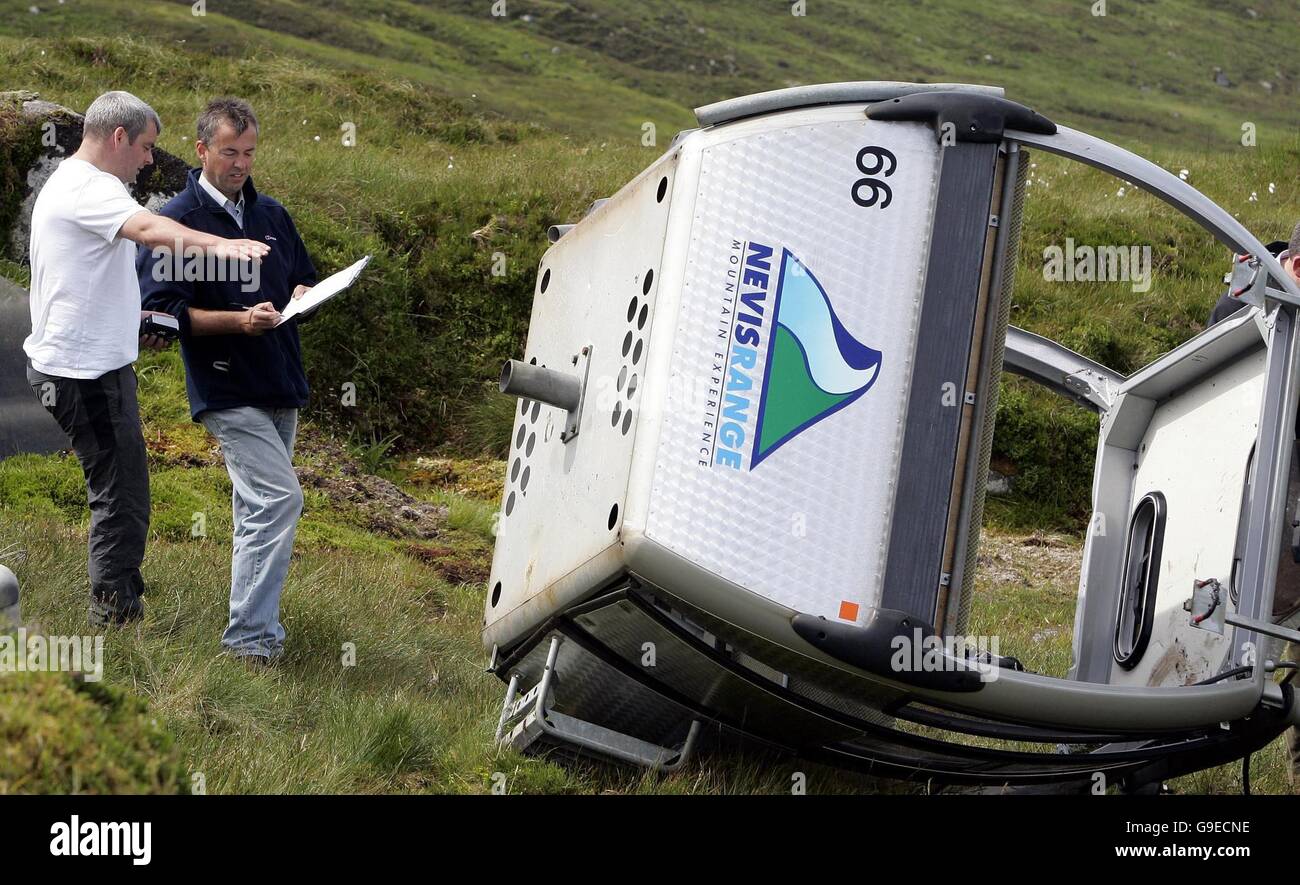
[{"x": 324, "y": 290}]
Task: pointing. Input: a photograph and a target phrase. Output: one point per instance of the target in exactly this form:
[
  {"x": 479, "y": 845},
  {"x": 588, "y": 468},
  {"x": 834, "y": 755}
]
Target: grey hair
[
  {"x": 114, "y": 109},
  {"x": 235, "y": 111},
  {"x": 1293, "y": 247}
]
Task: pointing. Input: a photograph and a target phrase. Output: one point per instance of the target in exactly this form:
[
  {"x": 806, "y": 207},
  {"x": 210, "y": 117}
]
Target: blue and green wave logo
[{"x": 814, "y": 366}]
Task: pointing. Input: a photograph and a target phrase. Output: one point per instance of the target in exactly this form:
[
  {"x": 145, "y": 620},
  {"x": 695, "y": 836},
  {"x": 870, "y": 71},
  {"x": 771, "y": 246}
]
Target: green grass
[
  {"x": 1144, "y": 70},
  {"x": 414, "y": 714}
]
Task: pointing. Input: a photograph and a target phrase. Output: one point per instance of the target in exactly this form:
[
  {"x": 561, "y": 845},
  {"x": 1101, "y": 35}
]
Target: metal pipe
[
  {"x": 555, "y": 231},
  {"x": 1277, "y": 631},
  {"x": 559, "y": 389}
]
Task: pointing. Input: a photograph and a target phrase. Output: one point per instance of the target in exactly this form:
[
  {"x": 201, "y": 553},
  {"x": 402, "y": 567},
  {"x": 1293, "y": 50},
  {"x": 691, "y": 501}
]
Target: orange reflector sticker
[{"x": 848, "y": 610}]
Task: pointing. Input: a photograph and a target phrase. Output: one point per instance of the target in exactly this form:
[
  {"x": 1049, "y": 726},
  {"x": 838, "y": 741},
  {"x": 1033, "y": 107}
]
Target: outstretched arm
[{"x": 152, "y": 231}]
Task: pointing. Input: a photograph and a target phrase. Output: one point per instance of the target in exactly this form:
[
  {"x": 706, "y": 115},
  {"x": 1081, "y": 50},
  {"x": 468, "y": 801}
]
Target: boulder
[
  {"x": 10, "y": 609},
  {"x": 60, "y": 135},
  {"x": 25, "y": 426}
]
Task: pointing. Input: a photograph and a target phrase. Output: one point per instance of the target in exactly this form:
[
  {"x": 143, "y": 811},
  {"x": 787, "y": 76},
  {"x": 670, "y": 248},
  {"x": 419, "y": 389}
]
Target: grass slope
[
  {"x": 1143, "y": 70},
  {"x": 382, "y": 687}
]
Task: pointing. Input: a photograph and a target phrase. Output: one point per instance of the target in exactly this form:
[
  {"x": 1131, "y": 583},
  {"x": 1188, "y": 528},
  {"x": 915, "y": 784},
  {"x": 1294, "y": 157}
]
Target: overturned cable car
[{"x": 751, "y": 448}]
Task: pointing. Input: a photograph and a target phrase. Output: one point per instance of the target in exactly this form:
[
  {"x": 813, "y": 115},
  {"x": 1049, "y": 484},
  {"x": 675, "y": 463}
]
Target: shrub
[{"x": 60, "y": 735}]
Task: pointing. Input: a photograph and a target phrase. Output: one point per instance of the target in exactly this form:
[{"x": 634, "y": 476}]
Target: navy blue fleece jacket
[{"x": 226, "y": 371}]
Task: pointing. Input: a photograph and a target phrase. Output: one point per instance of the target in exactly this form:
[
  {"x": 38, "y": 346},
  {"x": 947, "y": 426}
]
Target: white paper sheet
[{"x": 324, "y": 290}]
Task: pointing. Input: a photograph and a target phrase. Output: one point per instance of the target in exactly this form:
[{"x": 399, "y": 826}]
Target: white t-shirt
[{"x": 85, "y": 297}]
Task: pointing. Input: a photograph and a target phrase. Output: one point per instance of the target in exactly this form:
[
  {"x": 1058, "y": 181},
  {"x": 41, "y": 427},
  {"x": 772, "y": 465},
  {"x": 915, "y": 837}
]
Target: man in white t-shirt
[{"x": 86, "y": 319}]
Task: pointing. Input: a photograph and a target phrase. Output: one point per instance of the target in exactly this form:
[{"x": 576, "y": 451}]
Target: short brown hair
[{"x": 235, "y": 111}]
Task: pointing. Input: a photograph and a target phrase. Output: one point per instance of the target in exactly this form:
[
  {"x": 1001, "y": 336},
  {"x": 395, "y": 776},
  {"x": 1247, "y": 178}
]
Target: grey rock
[
  {"x": 25, "y": 426},
  {"x": 60, "y": 129},
  {"x": 998, "y": 484},
  {"x": 10, "y": 614}
]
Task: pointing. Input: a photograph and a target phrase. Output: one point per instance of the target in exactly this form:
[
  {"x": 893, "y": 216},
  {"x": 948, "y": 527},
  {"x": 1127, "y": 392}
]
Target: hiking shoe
[{"x": 103, "y": 614}]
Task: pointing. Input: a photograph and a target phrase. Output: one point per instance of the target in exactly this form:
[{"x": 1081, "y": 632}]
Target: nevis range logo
[{"x": 814, "y": 367}]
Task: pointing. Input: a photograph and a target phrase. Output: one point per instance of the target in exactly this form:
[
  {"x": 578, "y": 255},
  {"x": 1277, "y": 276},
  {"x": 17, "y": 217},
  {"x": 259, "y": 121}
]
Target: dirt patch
[
  {"x": 384, "y": 508},
  {"x": 456, "y": 567},
  {"x": 377, "y": 504},
  {"x": 477, "y": 478},
  {"x": 168, "y": 451},
  {"x": 1030, "y": 560}
]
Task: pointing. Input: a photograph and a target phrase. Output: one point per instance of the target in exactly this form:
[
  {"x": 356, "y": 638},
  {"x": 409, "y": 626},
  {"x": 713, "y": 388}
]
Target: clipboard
[{"x": 323, "y": 291}]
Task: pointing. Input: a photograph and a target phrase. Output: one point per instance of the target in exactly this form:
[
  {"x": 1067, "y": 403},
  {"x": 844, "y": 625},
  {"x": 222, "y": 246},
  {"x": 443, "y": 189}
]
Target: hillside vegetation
[{"x": 475, "y": 132}]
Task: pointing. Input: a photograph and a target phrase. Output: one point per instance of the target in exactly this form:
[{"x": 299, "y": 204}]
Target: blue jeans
[{"x": 267, "y": 501}]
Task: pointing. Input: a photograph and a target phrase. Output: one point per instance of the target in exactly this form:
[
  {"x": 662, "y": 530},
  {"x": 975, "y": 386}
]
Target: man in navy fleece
[{"x": 243, "y": 372}]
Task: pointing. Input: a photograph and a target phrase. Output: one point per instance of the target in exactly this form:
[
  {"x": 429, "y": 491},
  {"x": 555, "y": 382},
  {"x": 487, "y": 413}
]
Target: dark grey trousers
[{"x": 102, "y": 418}]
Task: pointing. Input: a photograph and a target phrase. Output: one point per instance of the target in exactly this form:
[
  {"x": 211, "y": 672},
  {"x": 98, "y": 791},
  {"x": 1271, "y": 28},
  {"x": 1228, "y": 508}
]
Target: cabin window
[{"x": 1137, "y": 598}]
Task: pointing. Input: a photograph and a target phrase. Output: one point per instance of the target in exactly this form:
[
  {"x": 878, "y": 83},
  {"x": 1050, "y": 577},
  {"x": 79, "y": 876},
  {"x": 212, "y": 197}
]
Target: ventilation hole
[
  {"x": 631, "y": 387},
  {"x": 618, "y": 410},
  {"x": 627, "y": 421},
  {"x": 663, "y": 189},
  {"x": 649, "y": 281},
  {"x": 523, "y": 480},
  {"x": 514, "y": 470},
  {"x": 631, "y": 308},
  {"x": 532, "y": 441},
  {"x": 613, "y": 517},
  {"x": 546, "y": 279},
  {"x": 636, "y": 353},
  {"x": 645, "y": 312},
  {"x": 519, "y": 437},
  {"x": 533, "y": 361},
  {"x": 622, "y": 377},
  {"x": 496, "y": 594},
  {"x": 627, "y": 343},
  {"x": 510, "y": 504},
  {"x": 523, "y": 407},
  {"x": 537, "y": 410}
]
